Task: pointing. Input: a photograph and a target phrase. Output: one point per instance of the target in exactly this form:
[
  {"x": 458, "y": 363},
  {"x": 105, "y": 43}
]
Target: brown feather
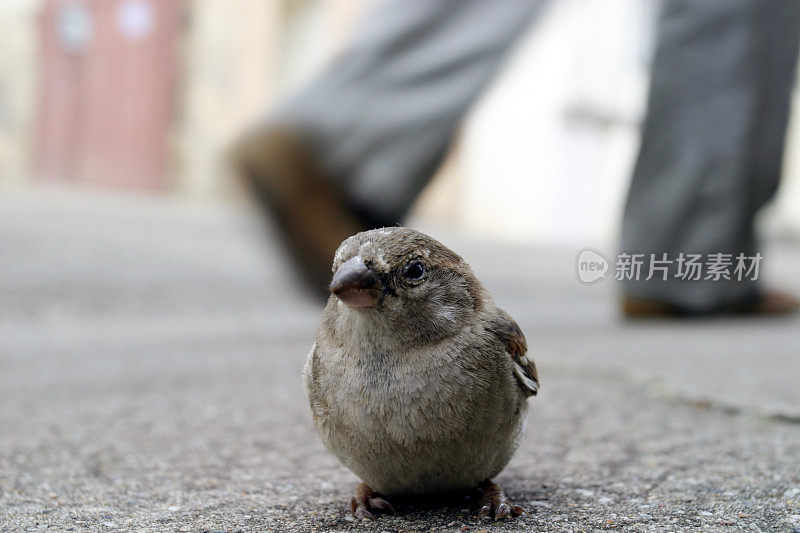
[{"x": 509, "y": 333}]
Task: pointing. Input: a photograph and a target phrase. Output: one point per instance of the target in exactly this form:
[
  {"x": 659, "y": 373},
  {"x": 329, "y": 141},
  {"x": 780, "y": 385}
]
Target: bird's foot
[
  {"x": 366, "y": 500},
  {"x": 494, "y": 503}
]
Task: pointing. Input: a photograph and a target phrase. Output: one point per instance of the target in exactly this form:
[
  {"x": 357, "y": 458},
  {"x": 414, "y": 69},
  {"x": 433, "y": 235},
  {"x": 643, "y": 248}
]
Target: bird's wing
[
  {"x": 311, "y": 379},
  {"x": 508, "y": 332}
]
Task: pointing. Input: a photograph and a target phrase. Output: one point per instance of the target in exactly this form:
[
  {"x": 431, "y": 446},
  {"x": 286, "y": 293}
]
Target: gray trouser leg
[
  {"x": 713, "y": 138},
  {"x": 381, "y": 116}
]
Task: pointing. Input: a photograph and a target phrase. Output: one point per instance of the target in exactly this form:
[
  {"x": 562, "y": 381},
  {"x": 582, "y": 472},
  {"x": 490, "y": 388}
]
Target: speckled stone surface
[{"x": 150, "y": 359}]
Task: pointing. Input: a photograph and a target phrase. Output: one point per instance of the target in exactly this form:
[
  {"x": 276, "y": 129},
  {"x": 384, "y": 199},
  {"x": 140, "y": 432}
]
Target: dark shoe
[
  {"x": 311, "y": 214},
  {"x": 768, "y": 303},
  {"x": 771, "y": 302}
]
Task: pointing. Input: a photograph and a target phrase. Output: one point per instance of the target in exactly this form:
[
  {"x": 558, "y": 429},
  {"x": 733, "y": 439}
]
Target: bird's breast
[{"x": 405, "y": 426}]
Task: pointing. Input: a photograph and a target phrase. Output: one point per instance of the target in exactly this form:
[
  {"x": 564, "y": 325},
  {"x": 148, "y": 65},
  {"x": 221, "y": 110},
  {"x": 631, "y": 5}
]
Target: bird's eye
[{"x": 413, "y": 271}]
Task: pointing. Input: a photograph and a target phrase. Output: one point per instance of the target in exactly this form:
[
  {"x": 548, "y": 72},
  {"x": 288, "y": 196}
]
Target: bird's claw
[
  {"x": 382, "y": 505},
  {"x": 360, "y": 511},
  {"x": 365, "y": 500},
  {"x": 495, "y": 504}
]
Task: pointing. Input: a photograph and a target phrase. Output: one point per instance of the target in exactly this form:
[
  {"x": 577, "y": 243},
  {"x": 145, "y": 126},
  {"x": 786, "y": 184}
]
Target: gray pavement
[{"x": 150, "y": 359}]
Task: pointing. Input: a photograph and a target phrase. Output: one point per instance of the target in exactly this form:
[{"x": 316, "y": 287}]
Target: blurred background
[
  {"x": 144, "y": 95},
  {"x": 151, "y": 342}
]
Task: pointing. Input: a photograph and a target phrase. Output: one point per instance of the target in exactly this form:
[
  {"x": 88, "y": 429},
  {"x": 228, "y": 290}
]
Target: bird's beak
[{"x": 356, "y": 285}]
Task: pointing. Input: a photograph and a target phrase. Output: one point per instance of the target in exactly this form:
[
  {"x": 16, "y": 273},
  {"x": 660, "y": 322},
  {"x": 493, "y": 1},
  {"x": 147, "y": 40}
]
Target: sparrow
[{"x": 417, "y": 382}]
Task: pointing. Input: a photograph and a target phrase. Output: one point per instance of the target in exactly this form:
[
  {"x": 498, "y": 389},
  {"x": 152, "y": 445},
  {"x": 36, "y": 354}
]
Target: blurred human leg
[
  {"x": 380, "y": 118},
  {"x": 711, "y": 145},
  {"x": 362, "y": 139},
  {"x": 777, "y": 40}
]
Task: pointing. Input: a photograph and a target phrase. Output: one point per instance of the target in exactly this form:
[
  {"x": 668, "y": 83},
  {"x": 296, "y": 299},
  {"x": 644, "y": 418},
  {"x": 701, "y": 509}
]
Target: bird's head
[{"x": 405, "y": 278}]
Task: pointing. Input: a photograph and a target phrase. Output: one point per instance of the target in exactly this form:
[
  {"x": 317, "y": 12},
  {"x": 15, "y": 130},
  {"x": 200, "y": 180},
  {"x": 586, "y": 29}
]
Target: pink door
[{"x": 105, "y": 103}]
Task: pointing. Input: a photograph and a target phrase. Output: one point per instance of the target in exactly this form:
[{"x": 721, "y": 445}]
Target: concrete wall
[{"x": 17, "y": 87}]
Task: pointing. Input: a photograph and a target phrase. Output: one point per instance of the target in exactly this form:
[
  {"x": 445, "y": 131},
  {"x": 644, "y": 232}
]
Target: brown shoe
[
  {"x": 311, "y": 214},
  {"x": 768, "y": 303}
]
